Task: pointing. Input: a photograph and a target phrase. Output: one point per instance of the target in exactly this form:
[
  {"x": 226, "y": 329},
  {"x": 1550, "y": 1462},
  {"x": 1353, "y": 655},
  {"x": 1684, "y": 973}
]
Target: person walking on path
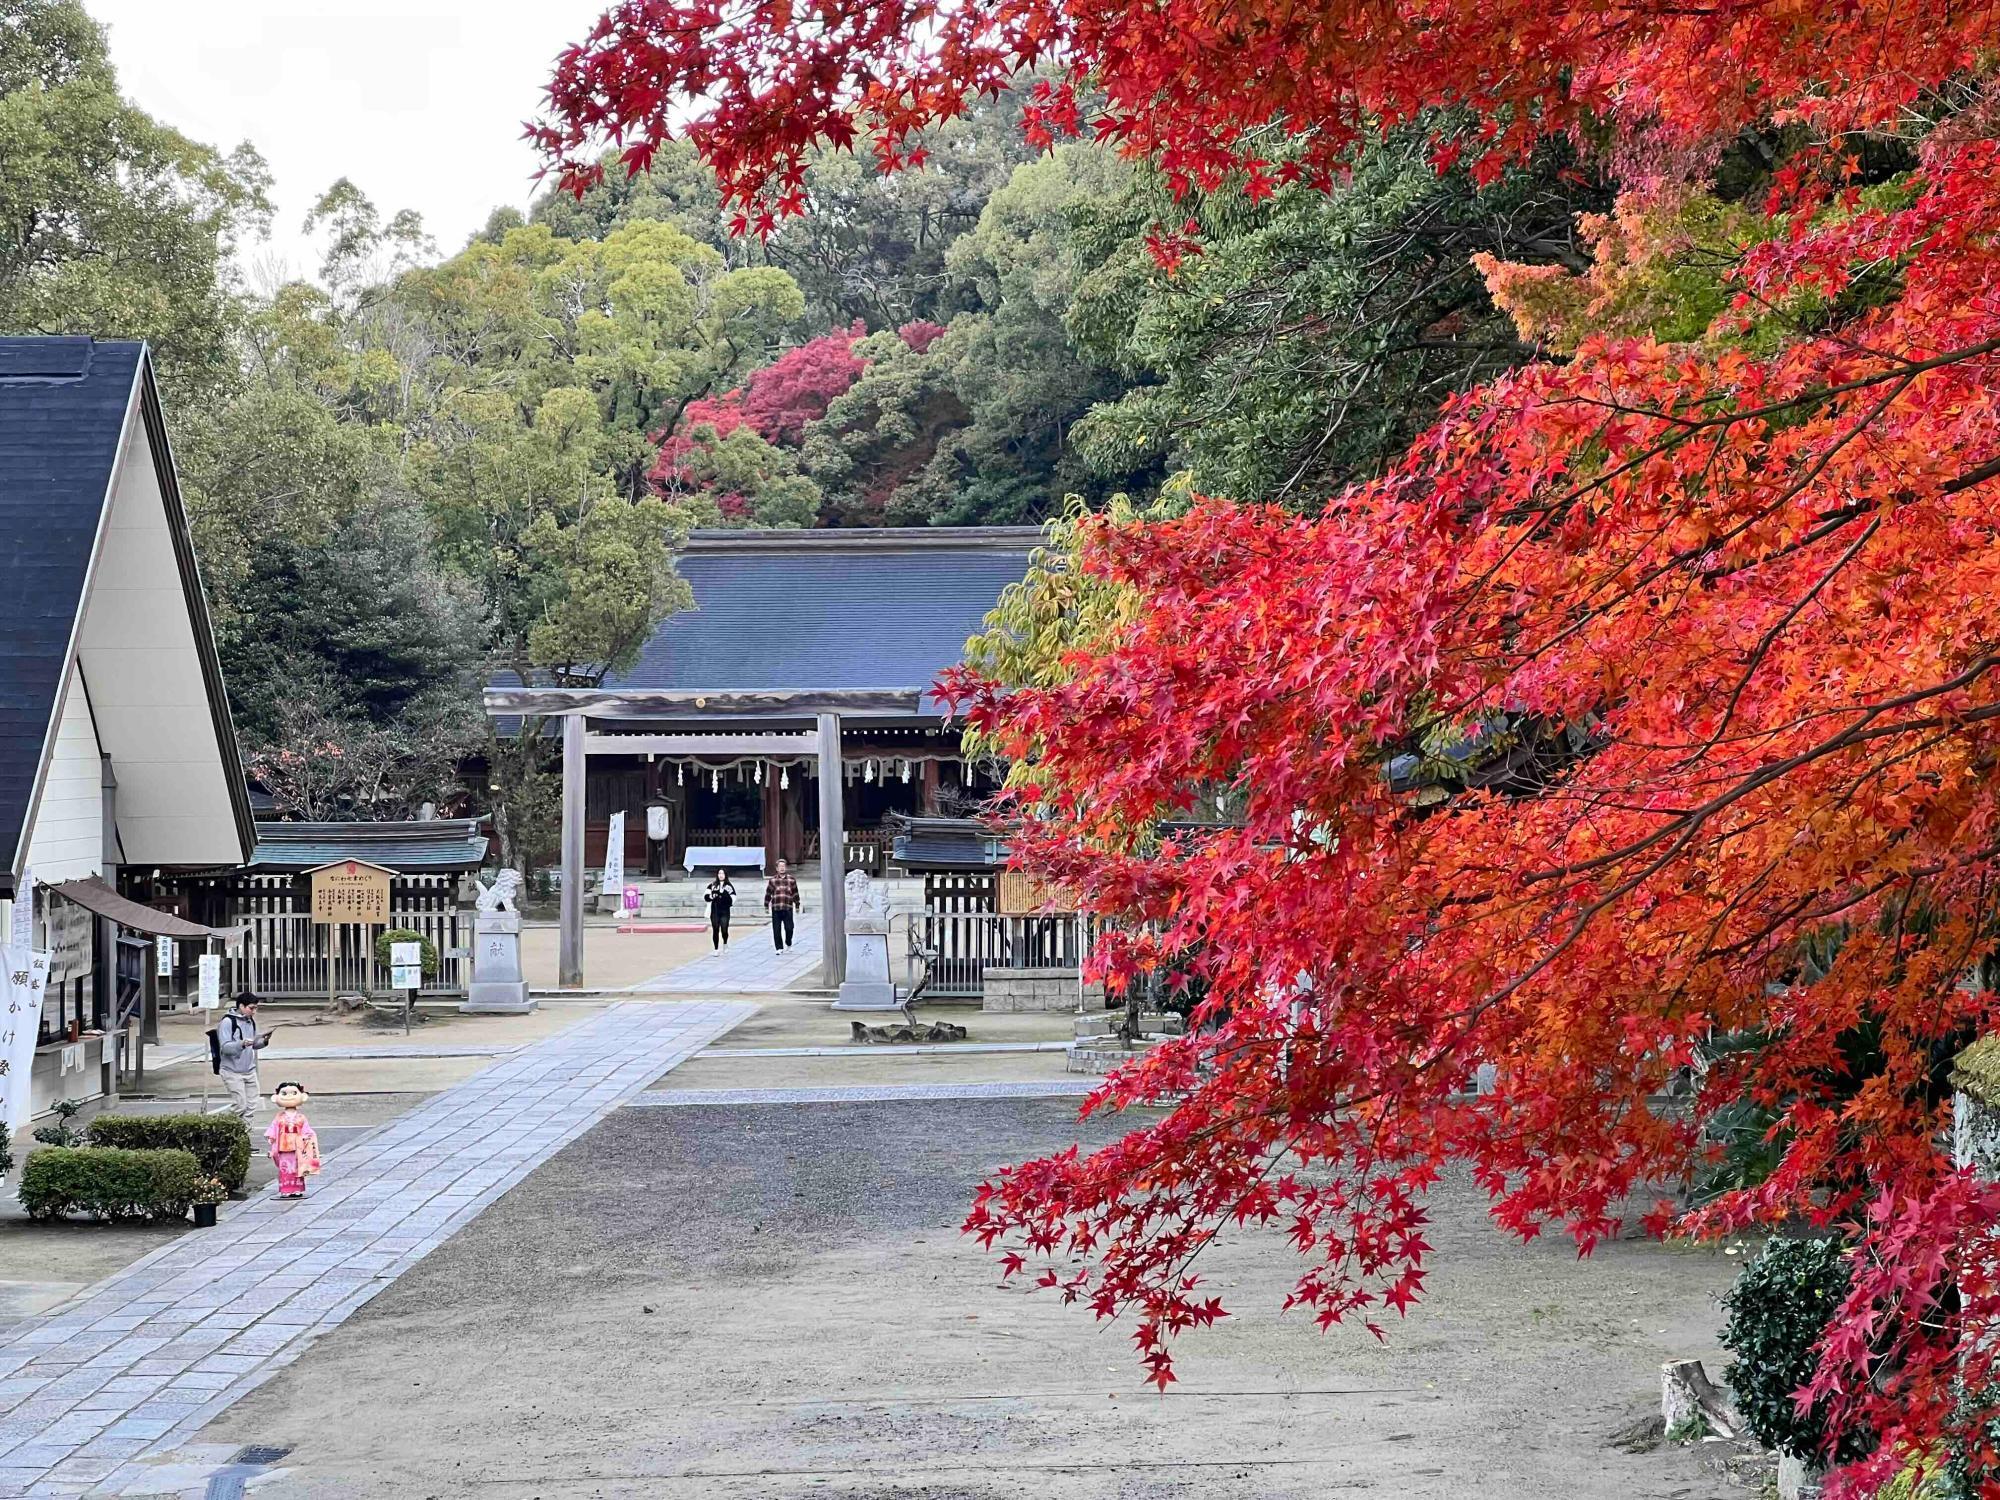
[
  {"x": 781, "y": 899},
  {"x": 720, "y": 896},
  {"x": 240, "y": 1042}
]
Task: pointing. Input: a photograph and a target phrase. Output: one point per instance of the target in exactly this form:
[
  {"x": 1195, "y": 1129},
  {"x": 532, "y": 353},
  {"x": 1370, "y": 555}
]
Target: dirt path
[{"x": 773, "y": 1301}]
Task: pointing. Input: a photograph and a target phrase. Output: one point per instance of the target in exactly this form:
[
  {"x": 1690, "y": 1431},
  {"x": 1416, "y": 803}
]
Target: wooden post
[
  {"x": 569, "y": 955},
  {"x": 832, "y": 856},
  {"x": 105, "y": 945}
]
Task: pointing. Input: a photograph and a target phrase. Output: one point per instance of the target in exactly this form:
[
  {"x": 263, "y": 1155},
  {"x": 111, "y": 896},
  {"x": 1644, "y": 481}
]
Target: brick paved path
[
  {"x": 132, "y": 1369},
  {"x": 749, "y": 965}
]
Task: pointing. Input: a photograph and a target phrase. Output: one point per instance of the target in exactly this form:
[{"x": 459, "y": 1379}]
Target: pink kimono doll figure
[{"x": 293, "y": 1146}]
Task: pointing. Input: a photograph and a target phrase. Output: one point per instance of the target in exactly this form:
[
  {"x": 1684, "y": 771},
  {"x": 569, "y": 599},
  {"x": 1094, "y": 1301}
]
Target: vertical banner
[
  {"x": 614, "y": 855},
  {"x": 163, "y": 960},
  {"x": 209, "y": 977},
  {"x": 24, "y": 979}
]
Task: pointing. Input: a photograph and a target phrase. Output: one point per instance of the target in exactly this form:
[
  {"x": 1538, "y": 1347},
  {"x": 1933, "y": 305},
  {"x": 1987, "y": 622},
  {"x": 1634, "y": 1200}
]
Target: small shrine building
[{"x": 787, "y": 715}]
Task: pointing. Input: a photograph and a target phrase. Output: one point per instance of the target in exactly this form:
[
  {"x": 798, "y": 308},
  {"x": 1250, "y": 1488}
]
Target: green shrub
[
  {"x": 6, "y": 1150},
  {"x": 404, "y": 935},
  {"x": 220, "y": 1143},
  {"x": 1778, "y": 1309},
  {"x": 107, "y": 1183},
  {"x": 59, "y": 1132}
]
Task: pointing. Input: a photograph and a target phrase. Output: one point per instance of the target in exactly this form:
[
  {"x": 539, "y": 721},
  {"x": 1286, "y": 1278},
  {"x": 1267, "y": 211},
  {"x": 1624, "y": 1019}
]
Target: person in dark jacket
[{"x": 720, "y": 896}]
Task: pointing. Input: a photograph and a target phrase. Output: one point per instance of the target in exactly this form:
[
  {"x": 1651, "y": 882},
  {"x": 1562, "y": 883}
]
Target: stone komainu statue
[
  {"x": 866, "y": 900},
  {"x": 503, "y": 895}
]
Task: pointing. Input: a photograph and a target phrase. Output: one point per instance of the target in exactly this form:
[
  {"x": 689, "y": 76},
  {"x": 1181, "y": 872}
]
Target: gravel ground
[{"x": 774, "y": 1301}]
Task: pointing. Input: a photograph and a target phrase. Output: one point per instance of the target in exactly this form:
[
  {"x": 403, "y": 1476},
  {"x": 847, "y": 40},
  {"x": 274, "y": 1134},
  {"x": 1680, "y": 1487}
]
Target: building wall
[
  {"x": 67, "y": 842},
  {"x": 137, "y": 645}
]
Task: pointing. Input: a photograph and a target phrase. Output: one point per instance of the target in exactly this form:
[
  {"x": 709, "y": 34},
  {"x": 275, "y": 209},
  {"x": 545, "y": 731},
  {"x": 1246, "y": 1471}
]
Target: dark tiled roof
[
  {"x": 62, "y": 415},
  {"x": 829, "y": 609},
  {"x": 435, "y": 846},
  {"x": 946, "y": 844}
]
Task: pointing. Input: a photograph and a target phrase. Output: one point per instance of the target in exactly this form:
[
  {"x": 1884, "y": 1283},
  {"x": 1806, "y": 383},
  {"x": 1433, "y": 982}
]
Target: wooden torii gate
[{"x": 577, "y": 707}]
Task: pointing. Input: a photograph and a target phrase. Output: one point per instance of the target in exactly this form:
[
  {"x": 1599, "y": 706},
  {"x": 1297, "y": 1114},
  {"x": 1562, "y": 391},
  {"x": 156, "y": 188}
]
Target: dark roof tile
[
  {"x": 816, "y": 609},
  {"x": 62, "y": 416}
]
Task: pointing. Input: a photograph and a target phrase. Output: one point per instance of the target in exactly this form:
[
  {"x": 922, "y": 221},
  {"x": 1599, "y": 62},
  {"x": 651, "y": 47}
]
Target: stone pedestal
[
  {"x": 497, "y": 984},
  {"x": 867, "y": 985},
  {"x": 864, "y": 981}
]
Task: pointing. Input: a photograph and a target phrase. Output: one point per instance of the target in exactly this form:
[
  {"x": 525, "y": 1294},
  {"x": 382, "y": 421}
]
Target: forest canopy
[{"x": 496, "y": 451}]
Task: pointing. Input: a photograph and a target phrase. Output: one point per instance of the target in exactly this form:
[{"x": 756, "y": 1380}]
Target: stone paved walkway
[
  {"x": 865, "y": 1093},
  {"x": 100, "y": 1396},
  {"x": 748, "y": 966}
]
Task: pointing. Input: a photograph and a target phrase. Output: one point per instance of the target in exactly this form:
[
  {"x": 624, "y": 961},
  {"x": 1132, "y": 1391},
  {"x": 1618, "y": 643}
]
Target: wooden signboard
[
  {"x": 1024, "y": 895},
  {"x": 350, "y": 891}
]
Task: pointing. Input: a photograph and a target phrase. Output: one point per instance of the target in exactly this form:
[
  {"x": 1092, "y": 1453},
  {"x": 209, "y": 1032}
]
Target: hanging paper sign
[
  {"x": 23, "y": 982},
  {"x": 70, "y": 931},
  {"x": 21, "y": 921},
  {"x": 406, "y": 966},
  {"x": 208, "y": 981},
  {"x": 163, "y": 957},
  {"x": 656, "y": 823},
  {"x": 614, "y": 853}
]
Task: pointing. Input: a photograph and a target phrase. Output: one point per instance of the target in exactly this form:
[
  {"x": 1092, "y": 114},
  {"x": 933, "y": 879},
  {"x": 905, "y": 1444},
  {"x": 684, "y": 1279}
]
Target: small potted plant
[{"x": 208, "y": 1192}]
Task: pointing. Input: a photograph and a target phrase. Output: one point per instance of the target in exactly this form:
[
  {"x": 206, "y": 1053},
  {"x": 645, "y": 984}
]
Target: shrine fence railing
[{"x": 284, "y": 953}]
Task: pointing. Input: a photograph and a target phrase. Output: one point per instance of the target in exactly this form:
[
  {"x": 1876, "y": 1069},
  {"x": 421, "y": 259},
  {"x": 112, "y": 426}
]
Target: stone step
[{"x": 682, "y": 898}]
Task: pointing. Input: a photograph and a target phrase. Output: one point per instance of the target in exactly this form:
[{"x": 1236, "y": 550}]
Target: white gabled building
[{"x": 116, "y": 748}]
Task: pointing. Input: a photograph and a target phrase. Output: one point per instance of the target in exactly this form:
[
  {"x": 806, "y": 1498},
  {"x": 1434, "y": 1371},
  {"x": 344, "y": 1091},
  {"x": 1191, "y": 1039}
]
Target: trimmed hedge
[
  {"x": 107, "y": 1183},
  {"x": 220, "y": 1143},
  {"x": 1778, "y": 1309}
]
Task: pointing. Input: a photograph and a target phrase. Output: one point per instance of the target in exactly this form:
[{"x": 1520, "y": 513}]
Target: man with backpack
[{"x": 233, "y": 1049}]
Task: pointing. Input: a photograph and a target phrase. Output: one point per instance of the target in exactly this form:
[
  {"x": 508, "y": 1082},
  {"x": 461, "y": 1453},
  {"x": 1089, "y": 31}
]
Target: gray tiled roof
[
  {"x": 432, "y": 847},
  {"x": 813, "y": 610},
  {"x": 947, "y": 844},
  {"x": 62, "y": 415}
]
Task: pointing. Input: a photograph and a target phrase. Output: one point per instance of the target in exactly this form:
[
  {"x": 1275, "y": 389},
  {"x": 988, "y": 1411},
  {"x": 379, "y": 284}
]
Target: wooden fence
[
  {"x": 963, "y": 945},
  {"x": 284, "y": 953},
  {"x": 956, "y": 891}
]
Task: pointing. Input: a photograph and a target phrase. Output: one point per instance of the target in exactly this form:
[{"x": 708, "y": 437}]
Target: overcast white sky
[{"x": 419, "y": 102}]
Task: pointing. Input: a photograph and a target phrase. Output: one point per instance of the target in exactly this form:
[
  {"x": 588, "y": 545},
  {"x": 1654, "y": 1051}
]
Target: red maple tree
[
  {"x": 1723, "y": 609},
  {"x": 775, "y": 402}
]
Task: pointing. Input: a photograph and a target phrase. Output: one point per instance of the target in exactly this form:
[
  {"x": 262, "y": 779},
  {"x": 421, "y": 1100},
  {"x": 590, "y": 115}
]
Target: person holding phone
[
  {"x": 240, "y": 1042},
  {"x": 720, "y": 896}
]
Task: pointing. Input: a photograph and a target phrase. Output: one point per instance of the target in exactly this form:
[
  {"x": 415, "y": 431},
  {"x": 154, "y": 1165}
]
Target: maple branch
[{"x": 1778, "y": 627}]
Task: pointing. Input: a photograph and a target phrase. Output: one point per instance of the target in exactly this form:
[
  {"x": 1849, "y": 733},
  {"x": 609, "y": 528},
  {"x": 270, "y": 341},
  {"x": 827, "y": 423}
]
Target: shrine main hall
[{"x": 788, "y": 713}]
